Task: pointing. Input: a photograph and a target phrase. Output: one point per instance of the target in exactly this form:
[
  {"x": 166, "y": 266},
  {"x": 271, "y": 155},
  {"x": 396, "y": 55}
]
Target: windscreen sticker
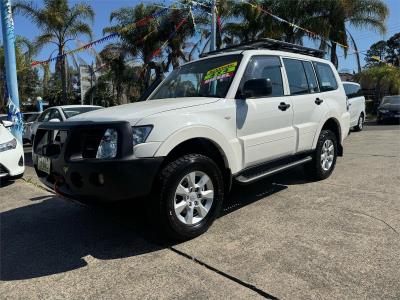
[{"x": 224, "y": 71}]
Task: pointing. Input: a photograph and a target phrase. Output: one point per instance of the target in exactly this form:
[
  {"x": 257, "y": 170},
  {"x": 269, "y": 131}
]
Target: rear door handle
[
  {"x": 283, "y": 106},
  {"x": 318, "y": 101}
]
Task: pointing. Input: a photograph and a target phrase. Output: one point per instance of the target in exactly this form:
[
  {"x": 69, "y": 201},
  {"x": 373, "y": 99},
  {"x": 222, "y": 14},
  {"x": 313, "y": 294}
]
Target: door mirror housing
[
  {"x": 257, "y": 88},
  {"x": 7, "y": 123},
  {"x": 54, "y": 120}
]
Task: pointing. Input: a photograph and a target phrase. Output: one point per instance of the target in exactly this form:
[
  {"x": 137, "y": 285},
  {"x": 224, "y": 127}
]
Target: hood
[
  {"x": 134, "y": 112},
  {"x": 389, "y": 106}
]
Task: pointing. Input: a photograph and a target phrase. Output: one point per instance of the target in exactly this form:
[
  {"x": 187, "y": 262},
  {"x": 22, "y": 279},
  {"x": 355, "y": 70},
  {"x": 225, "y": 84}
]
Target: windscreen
[
  {"x": 30, "y": 117},
  {"x": 391, "y": 100},
  {"x": 74, "y": 111},
  {"x": 209, "y": 77}
]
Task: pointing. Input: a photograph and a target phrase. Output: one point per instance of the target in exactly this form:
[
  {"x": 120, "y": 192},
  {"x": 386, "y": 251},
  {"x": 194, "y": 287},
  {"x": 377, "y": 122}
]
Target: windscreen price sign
[{"x": 224, "y": 71}]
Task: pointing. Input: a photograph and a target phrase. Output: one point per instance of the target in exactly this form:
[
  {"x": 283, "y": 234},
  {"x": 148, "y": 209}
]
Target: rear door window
[
  {"x": 326, "y": 78},
  {"x": 312, "y": 80},
  {"x": 296, "y": 75},
  {"x": 352, "y": 90},
  {"x": 44, "y": 117},
  {"x": 55, "y": 115}
]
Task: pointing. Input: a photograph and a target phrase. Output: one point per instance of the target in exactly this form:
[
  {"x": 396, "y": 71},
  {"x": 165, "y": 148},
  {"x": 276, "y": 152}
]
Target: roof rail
[{"x": 270, "y": 44}]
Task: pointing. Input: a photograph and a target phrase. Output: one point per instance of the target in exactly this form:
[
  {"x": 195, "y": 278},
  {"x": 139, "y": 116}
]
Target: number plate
[{"x": 44, "y": 164}]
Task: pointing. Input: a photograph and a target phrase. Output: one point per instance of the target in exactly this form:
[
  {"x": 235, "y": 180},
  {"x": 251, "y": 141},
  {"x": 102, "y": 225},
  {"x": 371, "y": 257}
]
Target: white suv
[{"x": 236, "y": 115}]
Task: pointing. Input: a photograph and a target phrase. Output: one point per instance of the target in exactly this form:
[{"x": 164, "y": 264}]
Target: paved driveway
[{"x": 281, "y": 238}]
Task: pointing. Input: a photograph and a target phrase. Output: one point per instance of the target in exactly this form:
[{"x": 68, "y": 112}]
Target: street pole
[
  {"x": 7, "y": 25},
  {"x": 213, "y": 26}
]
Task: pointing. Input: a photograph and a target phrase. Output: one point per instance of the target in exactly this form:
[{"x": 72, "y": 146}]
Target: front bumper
[
  {"x": 391, "y": 115},
  {"x": 88, "y": 179},
  {"x": 12, "y": 162}
]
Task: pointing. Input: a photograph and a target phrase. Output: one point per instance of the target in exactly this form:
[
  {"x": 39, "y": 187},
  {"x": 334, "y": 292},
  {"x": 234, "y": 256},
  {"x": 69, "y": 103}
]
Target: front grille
[
  {"x": 91, "y": 140},
  {"x": 80, "y": 140},
  {"x": 49, "y": 142}
]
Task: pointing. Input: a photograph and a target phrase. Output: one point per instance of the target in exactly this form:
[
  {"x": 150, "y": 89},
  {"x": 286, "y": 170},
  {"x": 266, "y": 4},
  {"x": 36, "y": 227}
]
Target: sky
[{"x": 364, "y": 38}]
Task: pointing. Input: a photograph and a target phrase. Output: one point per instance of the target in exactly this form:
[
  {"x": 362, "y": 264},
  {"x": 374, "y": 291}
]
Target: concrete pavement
[{"x": 280, "y": 238}]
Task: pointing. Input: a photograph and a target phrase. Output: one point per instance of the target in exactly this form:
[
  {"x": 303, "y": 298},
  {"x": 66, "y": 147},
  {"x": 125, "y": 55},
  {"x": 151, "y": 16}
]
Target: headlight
[
  {"x": 140, "y": 134},
  {"x": 384, "y": 111},
  {"x": 8, "y": 145},
  {"x": 108, "y": 144}
]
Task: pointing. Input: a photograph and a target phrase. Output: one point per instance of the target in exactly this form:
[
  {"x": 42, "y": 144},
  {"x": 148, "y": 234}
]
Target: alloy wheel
[
  {"x": 194, "y": 197},
  {"x": 327, "y": 155},
  {"x": 360, "y": 122}
]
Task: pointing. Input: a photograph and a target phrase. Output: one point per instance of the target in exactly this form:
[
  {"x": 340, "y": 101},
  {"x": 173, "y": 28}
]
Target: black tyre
[
  {"x": 360, "y": 123},
  {"x": 324, "y": 157},
  {"x": 188, "y": 196}
]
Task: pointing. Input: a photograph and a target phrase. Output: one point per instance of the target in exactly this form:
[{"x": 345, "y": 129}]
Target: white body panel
[
  {"x": 10, "y": 158},
  {"x": 357, "y": 105}
]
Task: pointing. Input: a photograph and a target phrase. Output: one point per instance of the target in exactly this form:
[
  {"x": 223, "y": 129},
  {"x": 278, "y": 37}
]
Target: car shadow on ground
[{"x": 52, "y": 235}]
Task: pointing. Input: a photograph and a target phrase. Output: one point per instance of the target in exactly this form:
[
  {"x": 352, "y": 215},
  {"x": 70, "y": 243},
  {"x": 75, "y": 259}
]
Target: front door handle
[
  {"x": 318, "y": 101},
  {"x": 283, "y": 106}
]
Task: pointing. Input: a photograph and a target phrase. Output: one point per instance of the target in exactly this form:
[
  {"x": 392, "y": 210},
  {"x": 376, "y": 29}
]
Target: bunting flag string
[
  {"x": 279, "y": 19},
  {"x": 140, "y": 23}
]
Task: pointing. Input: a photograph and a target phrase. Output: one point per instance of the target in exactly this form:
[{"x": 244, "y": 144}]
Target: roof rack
[{"x": 270, "y": 44}]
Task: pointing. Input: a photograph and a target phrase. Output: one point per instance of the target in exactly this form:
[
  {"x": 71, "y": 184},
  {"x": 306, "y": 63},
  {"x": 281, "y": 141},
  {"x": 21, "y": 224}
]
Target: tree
[
  {"x": 139, "y": 42},
  {"x": 393, "y": 50},
  {"x": 378, "y": 50},
  {"x": 386, "y": 52},
  {"x": 380, "y": 77},
  {"x": 59, "y": 23},
  {"x": 175, "y": 46},
  {"x": 336, "y": 15}
]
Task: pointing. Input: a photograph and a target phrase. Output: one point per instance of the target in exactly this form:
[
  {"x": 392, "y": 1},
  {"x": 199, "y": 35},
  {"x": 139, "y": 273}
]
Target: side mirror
[
  {"x": 54, "y": 120},
  {"x": 257, "y": 88},
  {"x": 7, "y": 124}
]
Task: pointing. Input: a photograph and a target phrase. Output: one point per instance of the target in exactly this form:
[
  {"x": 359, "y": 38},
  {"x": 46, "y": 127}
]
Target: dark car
[{"x": 389, "y": 109}]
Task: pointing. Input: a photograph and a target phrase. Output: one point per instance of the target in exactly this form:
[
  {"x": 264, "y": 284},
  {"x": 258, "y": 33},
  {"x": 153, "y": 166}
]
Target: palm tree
[
  {"x": 139, "y": 42},
  {"x": 59, "y": 24},
  {"x": 247, "y": 23},
  {"x": 176, "y": 45},
  {"x": 336, "y": 15}
]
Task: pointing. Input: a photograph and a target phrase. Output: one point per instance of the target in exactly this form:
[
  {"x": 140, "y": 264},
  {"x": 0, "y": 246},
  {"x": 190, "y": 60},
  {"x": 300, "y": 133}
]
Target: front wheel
[
  {"x": 189, "y": 196},
  {"x": 324, "y": 158}
]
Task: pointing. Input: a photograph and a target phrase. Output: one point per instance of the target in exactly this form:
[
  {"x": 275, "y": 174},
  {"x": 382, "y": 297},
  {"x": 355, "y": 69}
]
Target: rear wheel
[
  {"x": 360, "y": 123},
  {"x": 189, "y": 196},
  {"x": 324, "y": 158}
]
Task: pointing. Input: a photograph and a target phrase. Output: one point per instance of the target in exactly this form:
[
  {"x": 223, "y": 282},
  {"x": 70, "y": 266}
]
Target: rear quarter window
[
  {"x": 352, "y": 90},
  {"x": 326, "y": 77}
]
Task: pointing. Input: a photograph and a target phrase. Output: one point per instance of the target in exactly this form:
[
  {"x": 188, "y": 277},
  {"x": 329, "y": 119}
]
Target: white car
[
  {"x": 11, "y": 154},
  {"x": 59, "y": 114},
  {"x": 28, "y": 118},
  {"x": 357, "y": 105},
  {"x": 239, "y": 114}
]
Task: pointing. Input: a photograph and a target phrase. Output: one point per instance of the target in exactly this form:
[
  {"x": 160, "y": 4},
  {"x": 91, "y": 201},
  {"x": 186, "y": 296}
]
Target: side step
[{"x": 260, "y": 172}]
